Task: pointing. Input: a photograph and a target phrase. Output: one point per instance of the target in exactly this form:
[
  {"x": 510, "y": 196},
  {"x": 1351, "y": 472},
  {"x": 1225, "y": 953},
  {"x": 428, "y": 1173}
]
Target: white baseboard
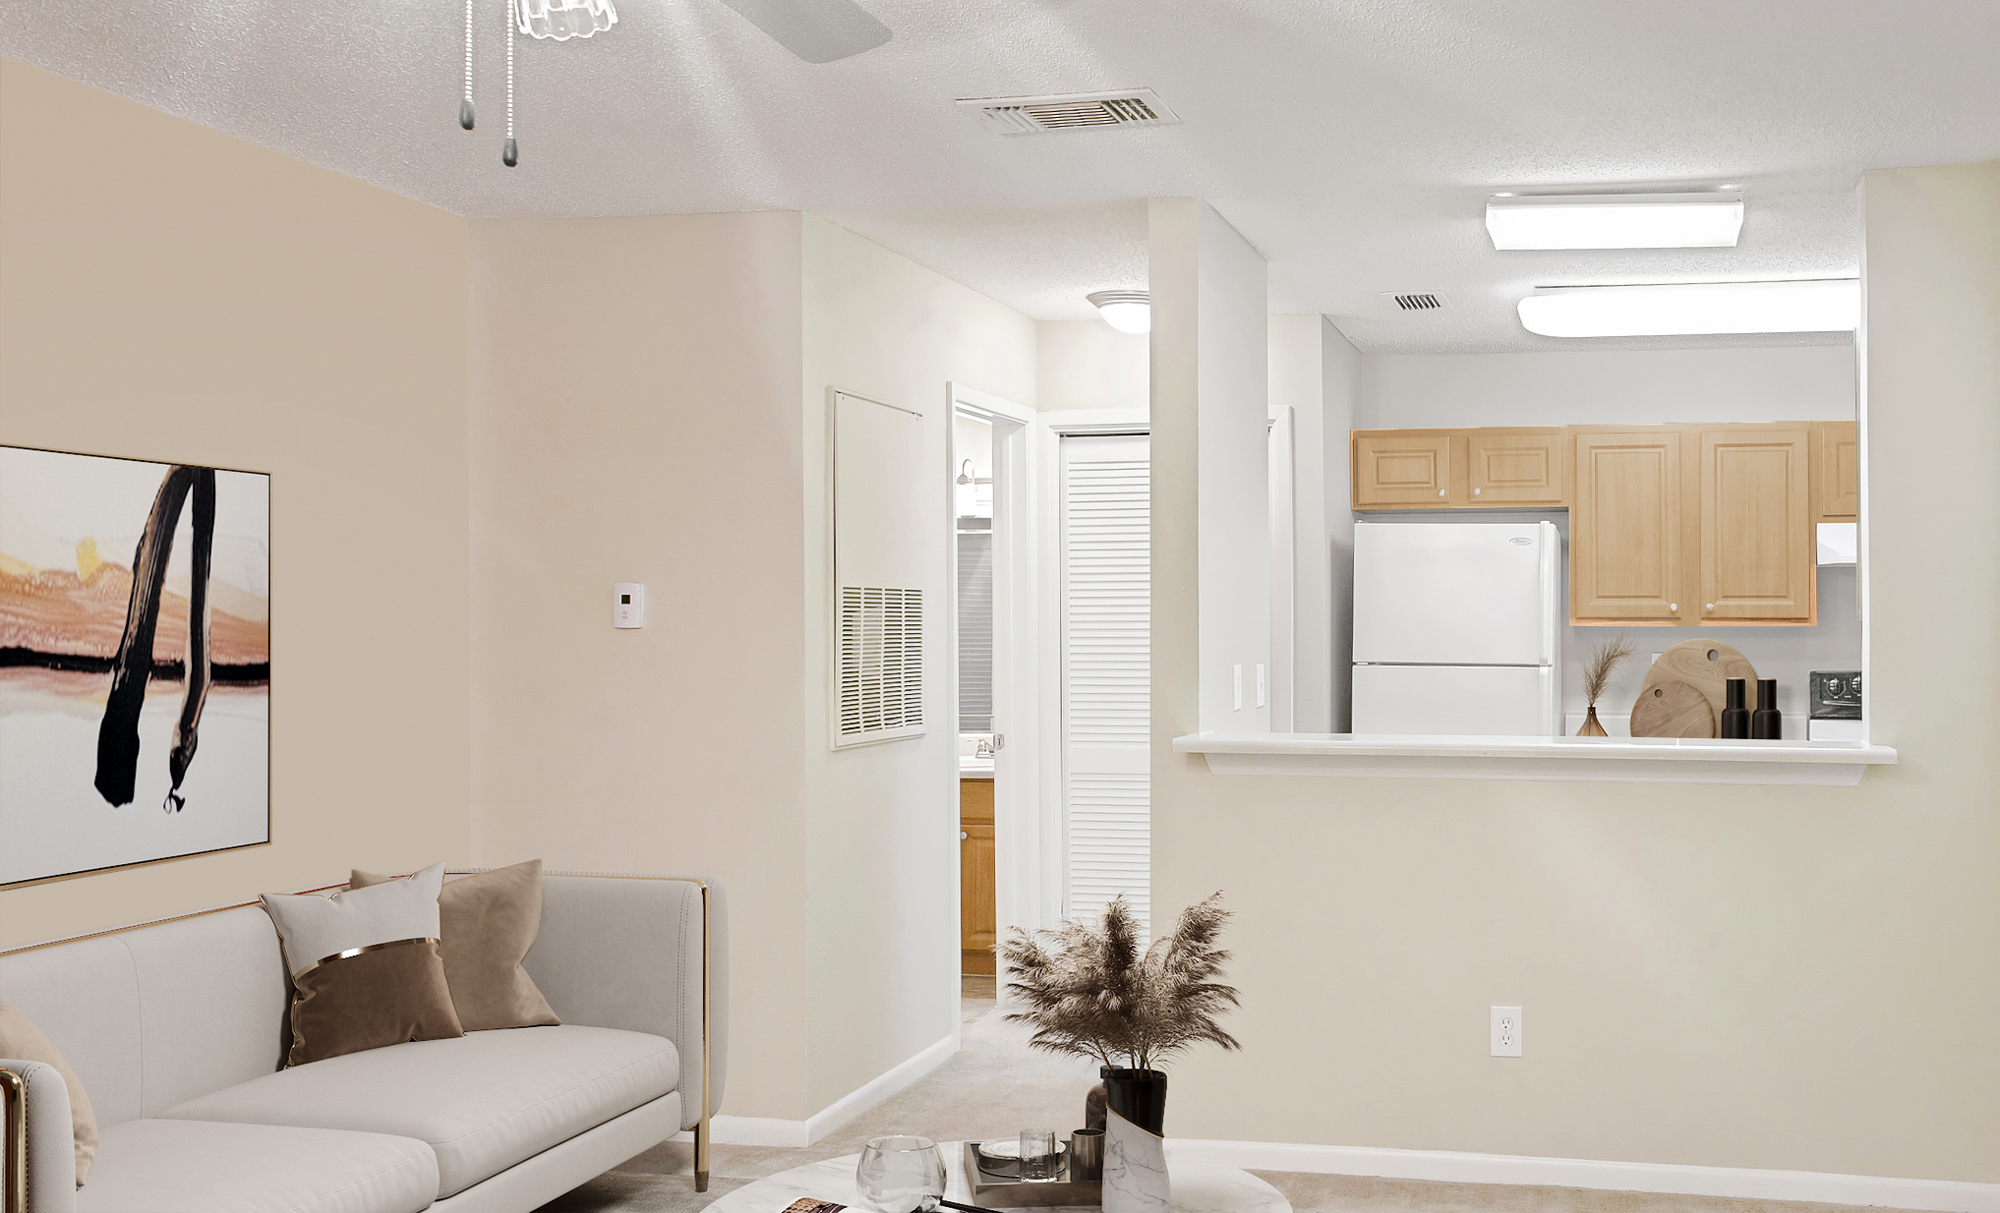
[
  {"x": 1740, "y": 1183},
  {"x": 769, "y": 1131}
]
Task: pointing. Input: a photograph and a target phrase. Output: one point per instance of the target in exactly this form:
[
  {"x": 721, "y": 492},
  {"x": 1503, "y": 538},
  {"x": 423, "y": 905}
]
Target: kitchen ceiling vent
[
  {"x": 1072, "y": 111},
  {"x": 1421, "y": 301}
]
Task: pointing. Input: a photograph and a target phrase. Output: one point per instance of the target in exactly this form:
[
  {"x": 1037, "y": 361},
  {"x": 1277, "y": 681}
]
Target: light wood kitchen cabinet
[
  {"x": 1515, "y": 466},
  {"x": 1627, "y": 527},
  {"x": 1407, "y": 469},
  {"x": 1758, "y": 560},
  {"x": 1836, "y": 472}
]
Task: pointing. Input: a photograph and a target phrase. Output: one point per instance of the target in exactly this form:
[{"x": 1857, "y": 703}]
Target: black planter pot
[{"x": 1140, "y": 1096}]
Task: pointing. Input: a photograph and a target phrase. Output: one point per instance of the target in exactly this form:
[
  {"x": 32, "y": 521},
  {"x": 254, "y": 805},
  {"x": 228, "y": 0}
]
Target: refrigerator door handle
[{"x": 1552, "y": 606}]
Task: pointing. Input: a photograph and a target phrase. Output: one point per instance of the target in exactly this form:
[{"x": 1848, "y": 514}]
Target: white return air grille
[
  {"x": 881, "y": 664},
  {"x": 1072, "y": 111}
]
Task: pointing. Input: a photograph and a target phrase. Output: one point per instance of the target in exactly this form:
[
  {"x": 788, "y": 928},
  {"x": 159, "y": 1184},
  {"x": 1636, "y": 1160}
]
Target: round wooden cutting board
[
  {"x": 1704, "y": 665},
  {"x": 1672, "y": 709}
]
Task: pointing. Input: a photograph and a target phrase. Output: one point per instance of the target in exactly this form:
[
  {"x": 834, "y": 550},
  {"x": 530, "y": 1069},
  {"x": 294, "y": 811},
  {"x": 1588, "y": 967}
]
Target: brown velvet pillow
[
  {"x": 365, "y": 967},
  {"x": 490, "y": 921},
  {"x": 21, "y": 1040}
]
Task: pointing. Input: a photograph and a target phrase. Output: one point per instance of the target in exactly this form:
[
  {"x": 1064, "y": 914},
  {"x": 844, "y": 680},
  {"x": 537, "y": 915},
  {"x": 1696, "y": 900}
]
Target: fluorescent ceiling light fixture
[
  {"x": 1685, "y": 309},
  {"x": 1126, "y": 311},
  {"x": 1573, "y": 221}
]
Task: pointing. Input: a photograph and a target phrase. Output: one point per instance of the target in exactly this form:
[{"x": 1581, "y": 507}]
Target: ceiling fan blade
[{"x": 817, "y": 31}]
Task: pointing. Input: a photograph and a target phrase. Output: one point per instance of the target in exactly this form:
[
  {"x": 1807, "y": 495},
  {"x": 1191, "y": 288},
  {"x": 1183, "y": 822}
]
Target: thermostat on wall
[{"x": 628, "y": 605}]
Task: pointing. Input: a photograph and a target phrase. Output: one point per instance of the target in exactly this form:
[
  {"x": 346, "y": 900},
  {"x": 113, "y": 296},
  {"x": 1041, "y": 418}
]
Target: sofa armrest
[
  {"x": 644, "y": 953},
  {"x": 46, "y": 1133}
]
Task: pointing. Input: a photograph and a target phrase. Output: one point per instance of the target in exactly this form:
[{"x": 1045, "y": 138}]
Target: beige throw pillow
[
  {"x": 490, "y": 921},
  {"x": 21, "y": 1040},
  {"x": 365, "y": 967}
]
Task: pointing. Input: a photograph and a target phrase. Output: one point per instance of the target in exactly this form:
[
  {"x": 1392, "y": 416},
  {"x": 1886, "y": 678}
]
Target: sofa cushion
[
  {"x": 184, "y": 1166},
  {"x": 21, "y": 1040},
  {"x": 482, "y": 1102},
  {"x": 489, "y": 920},
  {"x": 365, "y": 967}
]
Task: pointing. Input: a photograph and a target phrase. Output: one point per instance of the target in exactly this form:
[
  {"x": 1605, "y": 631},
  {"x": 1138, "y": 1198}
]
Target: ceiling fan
[{"x": 817, "y": 31}]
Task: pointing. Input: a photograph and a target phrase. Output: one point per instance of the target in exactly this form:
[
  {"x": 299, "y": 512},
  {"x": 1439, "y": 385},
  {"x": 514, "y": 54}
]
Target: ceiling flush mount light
[
  {"x": 1688, "y": 309},
  {"x": 1593, "y": 221},
  {"x": 1126, "y": 311}
]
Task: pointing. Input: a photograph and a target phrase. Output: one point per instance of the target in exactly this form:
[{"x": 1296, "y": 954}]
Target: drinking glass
[
  {"x": 896, "y": 1174},
  {"x": 1038, "y": 1155}
]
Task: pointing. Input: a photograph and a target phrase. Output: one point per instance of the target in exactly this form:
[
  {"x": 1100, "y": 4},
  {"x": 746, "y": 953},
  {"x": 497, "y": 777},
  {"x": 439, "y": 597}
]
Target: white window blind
[
  {"x": 975, "y": 631},
  {"x": 1107, "y": 671}
]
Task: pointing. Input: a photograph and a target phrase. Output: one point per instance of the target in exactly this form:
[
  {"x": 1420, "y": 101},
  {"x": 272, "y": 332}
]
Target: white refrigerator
[{"x": 1456, "y": 628}]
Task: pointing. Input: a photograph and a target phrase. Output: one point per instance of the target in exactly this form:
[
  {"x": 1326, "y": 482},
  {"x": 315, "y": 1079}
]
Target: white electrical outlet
[
  {"x": 1237, "y": 696},
  {"x": 1505, "y": 1031}
]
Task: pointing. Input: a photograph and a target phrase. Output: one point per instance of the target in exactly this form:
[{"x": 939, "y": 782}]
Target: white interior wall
[
  {"x": 1341, "y": 373},
  {"x": 1607, "y": 387},
  {"x": 1298, "y": 350},
  {"x": 881, "y": 821},
  {"x": 1087, "y": 364},
  {"x": 1211, "y": 372}
]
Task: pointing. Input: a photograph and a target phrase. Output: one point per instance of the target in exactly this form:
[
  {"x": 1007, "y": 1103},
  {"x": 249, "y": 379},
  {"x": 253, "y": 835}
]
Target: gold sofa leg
[
  {"x": 701, "y": 1156},
  {"x": 14, "y": 1099}
]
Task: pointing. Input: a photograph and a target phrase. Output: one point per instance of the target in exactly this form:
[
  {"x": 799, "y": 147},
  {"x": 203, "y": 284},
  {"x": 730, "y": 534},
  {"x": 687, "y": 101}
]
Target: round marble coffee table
[{"x": 1198, "y": 1187}]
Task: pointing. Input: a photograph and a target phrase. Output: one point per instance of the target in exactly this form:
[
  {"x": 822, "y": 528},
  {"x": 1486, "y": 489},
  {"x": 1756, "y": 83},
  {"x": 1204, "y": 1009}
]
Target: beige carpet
[{"x": 996, "y": 1086}]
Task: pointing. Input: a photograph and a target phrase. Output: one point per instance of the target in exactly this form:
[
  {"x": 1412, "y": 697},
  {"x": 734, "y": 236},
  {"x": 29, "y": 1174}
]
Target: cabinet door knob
[
  {"x": 1711, "y": 606},
  {"x": 1475, "y": 492},
  {"x": 962, "y": 835},
  {"x": 1673, "y": 606},
  {"x": 1440, "y": 492}
]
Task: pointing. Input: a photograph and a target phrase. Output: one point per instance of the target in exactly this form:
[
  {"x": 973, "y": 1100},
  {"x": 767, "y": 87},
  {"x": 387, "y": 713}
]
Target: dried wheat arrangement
[
  {"x": 1089, "y": 990},
  {"x": 1603, "y": 663}
]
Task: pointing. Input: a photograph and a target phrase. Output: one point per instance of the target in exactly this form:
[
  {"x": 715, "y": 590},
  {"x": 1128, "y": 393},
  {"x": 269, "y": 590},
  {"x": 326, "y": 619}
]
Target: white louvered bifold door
[{"x": 1107, "y": 672}]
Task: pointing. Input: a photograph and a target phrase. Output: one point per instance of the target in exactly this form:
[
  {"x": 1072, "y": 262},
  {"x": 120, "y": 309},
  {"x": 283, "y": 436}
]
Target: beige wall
[
  {"x": 635, "y": 418},
  {"x": 168, "y": 292},
  {"x": 882, "y": 820},
  {"x": 1792, "y": 978}
]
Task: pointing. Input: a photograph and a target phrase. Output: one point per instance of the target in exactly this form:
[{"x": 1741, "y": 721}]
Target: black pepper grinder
[
  {"x": 1735, "y": 717},
  {"x": 1765, "y": 723}
]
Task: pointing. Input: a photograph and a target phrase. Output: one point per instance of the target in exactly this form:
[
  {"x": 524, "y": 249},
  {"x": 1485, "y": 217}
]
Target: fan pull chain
[
  {"x": 465, "y": 105},
  {"x": 510, "y": 152}
]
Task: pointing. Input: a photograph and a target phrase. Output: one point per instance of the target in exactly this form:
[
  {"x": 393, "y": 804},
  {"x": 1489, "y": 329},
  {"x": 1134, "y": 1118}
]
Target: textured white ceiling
[{"x": 1353, "y": 141}]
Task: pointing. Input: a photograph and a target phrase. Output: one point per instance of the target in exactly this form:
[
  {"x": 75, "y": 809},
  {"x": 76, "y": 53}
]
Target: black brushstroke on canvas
[
  {"x": 132, "y": 668},
  {"x": 245, "y": 673}
]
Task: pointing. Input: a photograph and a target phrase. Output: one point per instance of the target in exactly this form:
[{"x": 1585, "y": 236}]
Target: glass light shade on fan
[{"x": 562, "y": 20}]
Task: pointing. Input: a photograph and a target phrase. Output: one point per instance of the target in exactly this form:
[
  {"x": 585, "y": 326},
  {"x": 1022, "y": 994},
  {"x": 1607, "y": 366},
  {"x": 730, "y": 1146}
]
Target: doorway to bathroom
[{"x": 994, "y": 494}]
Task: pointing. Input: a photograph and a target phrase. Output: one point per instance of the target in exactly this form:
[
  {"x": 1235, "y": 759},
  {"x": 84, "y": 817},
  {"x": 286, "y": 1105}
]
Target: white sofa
[{"x": 177, "y": 1030}]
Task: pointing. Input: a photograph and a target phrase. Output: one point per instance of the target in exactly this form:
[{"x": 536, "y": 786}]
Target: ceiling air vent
[
  {"x": 1072, "y": 111},
  {"x": 1422, "y": 301}
]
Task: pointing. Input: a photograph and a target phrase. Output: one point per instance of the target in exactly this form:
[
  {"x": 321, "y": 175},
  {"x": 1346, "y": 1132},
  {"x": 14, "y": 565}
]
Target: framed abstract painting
[{"x": 135, "y": 662}]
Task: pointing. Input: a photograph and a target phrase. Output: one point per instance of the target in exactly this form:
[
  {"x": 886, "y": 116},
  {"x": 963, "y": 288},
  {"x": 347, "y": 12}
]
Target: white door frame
[
  {"x": 1284, "y": 578},
  {"x": 1021, "y": 841}
]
